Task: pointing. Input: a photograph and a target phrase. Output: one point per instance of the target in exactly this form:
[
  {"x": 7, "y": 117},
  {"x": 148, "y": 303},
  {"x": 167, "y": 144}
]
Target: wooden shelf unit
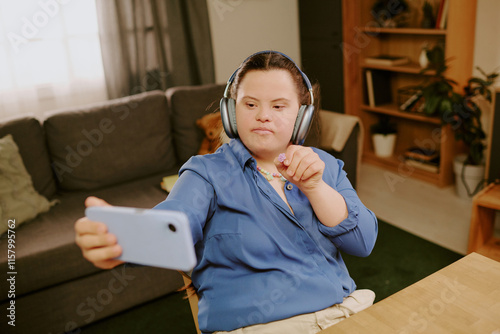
[
  {"x": 361, "y": 39},
  {"x": 481, "y": 236}
]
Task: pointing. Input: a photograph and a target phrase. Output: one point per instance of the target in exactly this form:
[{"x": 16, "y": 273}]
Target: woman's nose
[{"x": 264, "y": 114}]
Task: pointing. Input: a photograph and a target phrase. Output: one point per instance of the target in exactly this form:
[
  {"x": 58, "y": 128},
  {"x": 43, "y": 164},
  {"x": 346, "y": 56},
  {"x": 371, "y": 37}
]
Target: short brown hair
[{"x": 266, "y": 61}]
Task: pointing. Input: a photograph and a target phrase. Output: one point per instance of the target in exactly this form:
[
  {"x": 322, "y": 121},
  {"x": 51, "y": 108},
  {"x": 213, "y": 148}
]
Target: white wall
[
  {"x": 487, "y": 43},
  {"x": 242, "y": 27}
]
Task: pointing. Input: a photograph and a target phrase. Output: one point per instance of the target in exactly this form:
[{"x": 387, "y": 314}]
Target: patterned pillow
[{"x": 19, "y": 201}]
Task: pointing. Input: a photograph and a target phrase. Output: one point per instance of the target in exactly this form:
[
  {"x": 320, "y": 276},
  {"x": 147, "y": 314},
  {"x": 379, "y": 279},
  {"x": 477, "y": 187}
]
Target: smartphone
[{"x": 159, "y": 238}]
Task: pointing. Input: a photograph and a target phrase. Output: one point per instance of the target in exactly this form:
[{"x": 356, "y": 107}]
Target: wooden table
[
  {"x": 481, "y": 236},
  {"x": 463, "y": 297}
]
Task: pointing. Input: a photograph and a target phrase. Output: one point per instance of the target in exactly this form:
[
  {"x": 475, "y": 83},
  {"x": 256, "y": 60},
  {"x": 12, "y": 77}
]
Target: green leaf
[
  {"x": 431, "y": 104},
  {"x": 445, "y": 106}
]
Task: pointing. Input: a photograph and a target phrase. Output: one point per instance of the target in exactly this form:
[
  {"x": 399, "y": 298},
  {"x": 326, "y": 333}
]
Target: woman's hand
[
  {"x": 97, "y": 245},
  {"x": 303, "y": 167}
]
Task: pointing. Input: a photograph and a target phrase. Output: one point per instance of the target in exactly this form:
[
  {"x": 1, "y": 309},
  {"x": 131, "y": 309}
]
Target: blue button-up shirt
[{"x": 257, "y": 261}]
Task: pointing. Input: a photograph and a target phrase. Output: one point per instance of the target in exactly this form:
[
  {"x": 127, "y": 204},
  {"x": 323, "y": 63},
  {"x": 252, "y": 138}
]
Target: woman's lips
[{"x": 262, "y": 131}]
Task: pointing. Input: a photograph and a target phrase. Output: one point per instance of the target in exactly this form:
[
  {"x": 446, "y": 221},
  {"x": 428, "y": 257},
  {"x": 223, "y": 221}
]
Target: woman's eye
[
  {"x": 279, "y": 107},
  {"x": 250, "y": 105}
]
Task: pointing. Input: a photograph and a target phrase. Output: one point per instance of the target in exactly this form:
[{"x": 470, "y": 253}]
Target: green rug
[{"x": 398, "y": 260}]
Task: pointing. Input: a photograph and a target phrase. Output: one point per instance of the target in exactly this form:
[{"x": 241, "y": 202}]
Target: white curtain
[
  {"x": 154, "y": 44},
  {"x": 50, "y": 57}
]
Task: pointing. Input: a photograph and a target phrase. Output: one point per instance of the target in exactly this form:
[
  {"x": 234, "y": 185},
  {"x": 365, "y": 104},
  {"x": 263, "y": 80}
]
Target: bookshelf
[{"x": 362, "y": 39}]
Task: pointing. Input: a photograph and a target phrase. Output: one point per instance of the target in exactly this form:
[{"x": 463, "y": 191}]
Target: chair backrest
[{"x": 193, "y": 303}]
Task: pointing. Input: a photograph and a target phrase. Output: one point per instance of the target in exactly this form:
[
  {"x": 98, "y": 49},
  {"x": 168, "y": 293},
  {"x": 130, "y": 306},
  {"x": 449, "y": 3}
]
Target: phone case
[{"x": 159, "y": 238}]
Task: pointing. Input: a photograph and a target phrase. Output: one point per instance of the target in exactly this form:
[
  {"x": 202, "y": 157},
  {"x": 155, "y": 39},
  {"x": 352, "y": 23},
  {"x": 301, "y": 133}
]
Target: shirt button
[{"x": 289, "y": 186}]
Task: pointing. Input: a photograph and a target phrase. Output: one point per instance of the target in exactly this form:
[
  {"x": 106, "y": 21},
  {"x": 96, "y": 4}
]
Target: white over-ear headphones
[{"x": 304, "y": 117}]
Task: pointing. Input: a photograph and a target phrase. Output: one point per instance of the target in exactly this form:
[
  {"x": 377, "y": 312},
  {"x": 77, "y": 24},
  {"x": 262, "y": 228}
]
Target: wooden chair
[{"x": 193, "y": 301}]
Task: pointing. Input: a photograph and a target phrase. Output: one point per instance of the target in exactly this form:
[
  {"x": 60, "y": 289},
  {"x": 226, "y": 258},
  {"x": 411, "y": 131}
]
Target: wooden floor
[{"x": 433, "y": 213}]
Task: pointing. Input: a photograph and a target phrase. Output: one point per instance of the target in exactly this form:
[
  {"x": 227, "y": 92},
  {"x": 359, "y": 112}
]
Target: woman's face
[{"x": 267, "y": 105}]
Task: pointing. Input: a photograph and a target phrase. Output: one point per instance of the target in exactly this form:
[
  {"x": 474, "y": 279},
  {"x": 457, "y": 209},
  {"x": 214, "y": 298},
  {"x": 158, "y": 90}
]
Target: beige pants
[{"x": 313, "y": 322}]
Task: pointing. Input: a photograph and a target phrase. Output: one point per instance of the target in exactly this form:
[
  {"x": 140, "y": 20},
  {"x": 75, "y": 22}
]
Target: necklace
[{"x": 269, "y": 176}]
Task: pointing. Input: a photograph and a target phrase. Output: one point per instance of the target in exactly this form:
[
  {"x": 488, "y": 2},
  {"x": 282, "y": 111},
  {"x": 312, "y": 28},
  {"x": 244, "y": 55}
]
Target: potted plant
[
  {"x": 463, "y": 113},
  {"x": 466, "y": 122},
  {"x": 383, "y": 136}
]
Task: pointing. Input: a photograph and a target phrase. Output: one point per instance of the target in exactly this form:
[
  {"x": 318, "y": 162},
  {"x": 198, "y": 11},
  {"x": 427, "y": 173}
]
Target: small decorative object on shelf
[
  {"x": 428, "y": 20},
  {"x": 422, "y": 58},
  {"x": 391, "y": 14}
]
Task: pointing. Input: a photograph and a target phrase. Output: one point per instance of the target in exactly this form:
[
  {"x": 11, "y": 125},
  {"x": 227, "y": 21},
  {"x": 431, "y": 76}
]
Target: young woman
[{"x": 268, "y": 217}]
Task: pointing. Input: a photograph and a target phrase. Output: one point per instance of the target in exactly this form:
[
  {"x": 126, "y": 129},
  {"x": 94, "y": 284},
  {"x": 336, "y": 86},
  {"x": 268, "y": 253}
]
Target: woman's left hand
[{"x": 302, "y": 167}]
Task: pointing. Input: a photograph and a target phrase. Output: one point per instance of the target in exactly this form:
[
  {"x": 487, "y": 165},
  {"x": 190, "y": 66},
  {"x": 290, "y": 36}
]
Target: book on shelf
[
  {"x": 439, "y": 14},
  {"x": 378, "y": 87},
  {"x": 387, "y": 60},
  {"x": 421, "y": 154},
  {"x": 442, "y": 14},
  {"x": 411, "y": 101},
  {"x": 422, "y": 158}
]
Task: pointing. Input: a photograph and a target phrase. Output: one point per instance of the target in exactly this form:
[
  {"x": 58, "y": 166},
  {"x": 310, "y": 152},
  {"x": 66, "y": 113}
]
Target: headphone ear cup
[
  {"x": 228, "y": 116},
  {"x": 302, "y": 124}
]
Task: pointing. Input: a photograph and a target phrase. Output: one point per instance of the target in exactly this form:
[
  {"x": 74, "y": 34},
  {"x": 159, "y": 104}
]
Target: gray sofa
[{"x": 118, "y": 150}]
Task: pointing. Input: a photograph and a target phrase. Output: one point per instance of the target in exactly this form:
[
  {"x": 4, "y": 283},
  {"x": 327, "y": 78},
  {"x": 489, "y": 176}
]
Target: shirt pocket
[{"x": 223, "y": 244}]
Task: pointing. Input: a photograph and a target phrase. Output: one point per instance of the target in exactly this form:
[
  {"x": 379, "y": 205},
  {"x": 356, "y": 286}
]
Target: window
[{"x": 50, "y": 56}]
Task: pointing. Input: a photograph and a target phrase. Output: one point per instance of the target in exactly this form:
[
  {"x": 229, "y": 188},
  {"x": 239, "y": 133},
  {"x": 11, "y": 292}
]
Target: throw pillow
[{"x": 19, "y": 201}]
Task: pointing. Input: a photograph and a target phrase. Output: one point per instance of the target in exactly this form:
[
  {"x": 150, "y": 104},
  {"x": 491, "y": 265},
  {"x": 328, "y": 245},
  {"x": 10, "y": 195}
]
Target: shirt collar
[{"x": 240, "y": 152}]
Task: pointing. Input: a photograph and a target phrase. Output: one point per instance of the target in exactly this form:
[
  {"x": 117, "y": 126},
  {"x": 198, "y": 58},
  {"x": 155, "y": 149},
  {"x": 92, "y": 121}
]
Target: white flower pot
[
  {"x": 469, "y": 177},
  {"x": 384, "y": 144}
]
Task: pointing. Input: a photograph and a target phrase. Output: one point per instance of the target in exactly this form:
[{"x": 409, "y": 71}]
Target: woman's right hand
[{"x": 97, "y": 245}]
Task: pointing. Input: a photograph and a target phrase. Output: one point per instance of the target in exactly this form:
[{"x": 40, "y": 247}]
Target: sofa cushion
[
  {"x": 47, "y": 246},
  {"x": 112, "y": 142},
  {"x": 28, "y": 135},
  {"x": 187, "y": 104},
  {"x": 19, "y": 201}
]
